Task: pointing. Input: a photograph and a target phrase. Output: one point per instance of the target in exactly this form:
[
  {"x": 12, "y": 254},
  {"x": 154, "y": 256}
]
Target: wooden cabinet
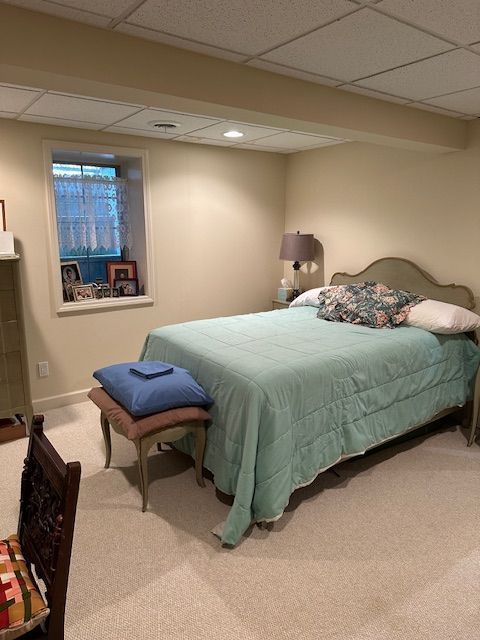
[{"x": 14, "y": 383}]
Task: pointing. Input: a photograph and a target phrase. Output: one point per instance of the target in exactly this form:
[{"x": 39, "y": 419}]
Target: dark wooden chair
[{"x": 48, "y": 505}]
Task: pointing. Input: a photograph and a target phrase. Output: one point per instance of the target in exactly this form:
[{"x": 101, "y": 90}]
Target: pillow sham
[
  {"x": 371, "y": 304},
  {"x": 442, "y": 317},
  {"x": 308, "y": 298},
  {"x": 143, "y": 396}
]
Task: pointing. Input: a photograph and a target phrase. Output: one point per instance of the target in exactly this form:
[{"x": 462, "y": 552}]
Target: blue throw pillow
[{"x": 141, "y": 396}]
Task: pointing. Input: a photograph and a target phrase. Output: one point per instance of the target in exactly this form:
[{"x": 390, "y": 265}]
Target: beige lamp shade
[{"x": 297, "y": 247}]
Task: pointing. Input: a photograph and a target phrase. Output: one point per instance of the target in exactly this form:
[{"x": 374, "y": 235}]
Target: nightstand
[{"x": 280, "y": 304}]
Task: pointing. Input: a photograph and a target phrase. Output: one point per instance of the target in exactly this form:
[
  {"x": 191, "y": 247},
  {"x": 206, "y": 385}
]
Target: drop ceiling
[{"x": 421, "y": 53}]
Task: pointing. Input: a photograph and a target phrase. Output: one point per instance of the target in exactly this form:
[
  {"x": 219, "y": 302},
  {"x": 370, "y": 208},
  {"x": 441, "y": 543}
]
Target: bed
[{"x": 294, "y": 395}]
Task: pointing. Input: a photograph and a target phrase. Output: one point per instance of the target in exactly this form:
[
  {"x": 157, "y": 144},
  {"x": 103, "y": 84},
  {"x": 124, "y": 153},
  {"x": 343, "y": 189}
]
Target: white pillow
[
  {"x": 308, "y": 298},
  {"x": 440, "y": 317}
]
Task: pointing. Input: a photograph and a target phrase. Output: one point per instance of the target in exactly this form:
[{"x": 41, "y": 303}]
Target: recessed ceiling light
[{"x": 233, "y": 134}]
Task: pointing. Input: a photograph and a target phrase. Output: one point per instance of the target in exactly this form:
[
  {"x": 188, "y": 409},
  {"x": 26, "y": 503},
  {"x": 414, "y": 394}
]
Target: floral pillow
[{"x": 371, "y": 304}]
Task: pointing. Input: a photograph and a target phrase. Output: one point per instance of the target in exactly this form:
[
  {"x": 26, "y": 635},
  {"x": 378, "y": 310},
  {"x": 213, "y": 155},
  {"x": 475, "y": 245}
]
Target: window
[{"x": 98, "y": 216}]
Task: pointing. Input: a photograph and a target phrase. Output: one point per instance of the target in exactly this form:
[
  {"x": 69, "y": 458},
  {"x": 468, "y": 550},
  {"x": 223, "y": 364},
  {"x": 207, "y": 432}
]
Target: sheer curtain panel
[{"x": 92, "y": 215}]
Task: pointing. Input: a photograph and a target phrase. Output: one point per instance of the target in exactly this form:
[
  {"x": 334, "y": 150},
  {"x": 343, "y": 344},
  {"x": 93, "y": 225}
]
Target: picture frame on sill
[
  {"x": 121, "y": 270},
  {"x": 126, "y": 286},
  {"x": 82, "y": 292},
  {"x": 67, "y": 292},
  {"x": 71, "y": 273}
]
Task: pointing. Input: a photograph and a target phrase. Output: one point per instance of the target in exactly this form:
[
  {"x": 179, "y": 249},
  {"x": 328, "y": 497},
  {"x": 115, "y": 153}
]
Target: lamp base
[{"x": 296, "y": 279}]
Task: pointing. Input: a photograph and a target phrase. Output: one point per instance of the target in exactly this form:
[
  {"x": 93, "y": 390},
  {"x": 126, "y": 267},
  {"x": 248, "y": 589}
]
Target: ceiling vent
[{"x": 165, "y": 127}]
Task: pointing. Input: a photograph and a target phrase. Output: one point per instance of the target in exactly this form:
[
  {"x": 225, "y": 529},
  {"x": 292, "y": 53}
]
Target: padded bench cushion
[
  {"x": 137, "y": 427},
  {"x": 21, "y": 606}
]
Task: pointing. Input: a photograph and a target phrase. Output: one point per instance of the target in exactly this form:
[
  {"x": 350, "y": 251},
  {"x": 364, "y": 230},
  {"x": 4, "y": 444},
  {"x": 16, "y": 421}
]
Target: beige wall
[
  {"x": 217, "y": 218},
  {"x": 364, "y": 202}
]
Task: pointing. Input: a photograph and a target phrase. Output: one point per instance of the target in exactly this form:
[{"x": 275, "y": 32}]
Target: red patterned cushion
[{"x": 21, "y": 606}]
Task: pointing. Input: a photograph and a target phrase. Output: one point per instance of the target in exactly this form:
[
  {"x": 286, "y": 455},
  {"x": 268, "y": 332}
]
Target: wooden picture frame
[
  {"x": 82, "y": 292},
  {"x": 121, "y": 270},
  {"x": 126, "y": 286},
  {"x": 4, "y": 215}
]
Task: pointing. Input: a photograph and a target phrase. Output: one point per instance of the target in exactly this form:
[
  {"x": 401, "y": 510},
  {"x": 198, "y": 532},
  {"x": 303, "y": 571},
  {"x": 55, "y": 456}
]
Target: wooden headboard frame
[{"x": 399, "y": 273}]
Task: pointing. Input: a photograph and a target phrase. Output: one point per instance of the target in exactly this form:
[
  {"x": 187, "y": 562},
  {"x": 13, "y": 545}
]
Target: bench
[{"x": 145, "y": 431}]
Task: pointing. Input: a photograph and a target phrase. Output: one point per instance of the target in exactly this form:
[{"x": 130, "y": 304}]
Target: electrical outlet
[{"x": 43, "y": 369}]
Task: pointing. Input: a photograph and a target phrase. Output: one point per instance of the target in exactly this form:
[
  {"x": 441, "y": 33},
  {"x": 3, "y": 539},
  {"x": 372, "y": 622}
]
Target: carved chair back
[{"x": 48, "y": 505}]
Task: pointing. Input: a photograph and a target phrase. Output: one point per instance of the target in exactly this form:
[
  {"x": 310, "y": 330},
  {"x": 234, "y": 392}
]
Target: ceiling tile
[
  {"x": 60, "y": 122},
  {"x": 373, "y": 94},
  {"x": 55, "y": 105},
  {"x": 245, "y": 26},
  {"x": 157, "y": 36},
  {"x": 140, "y": 132},
  {"x": 294, "y": 73},
  {"x": 290, "y": 140},
  {"x": 251, "y": 132},
  {"x": 359, "y": 45},
  {"x": 466, "y": 102},
  {"x": 199, "y": 140},
  {"x": 13, "y": 99},
  {"x": 449, "y": 72},
  {"x": 458, "y": 20},
  {"x": 187, "y": 123},
  {"x": 70, "y": 13}
]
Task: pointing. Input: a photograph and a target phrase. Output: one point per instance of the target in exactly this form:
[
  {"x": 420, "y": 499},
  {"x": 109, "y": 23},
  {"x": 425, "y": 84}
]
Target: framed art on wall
[{"x": 121, "y": 270}]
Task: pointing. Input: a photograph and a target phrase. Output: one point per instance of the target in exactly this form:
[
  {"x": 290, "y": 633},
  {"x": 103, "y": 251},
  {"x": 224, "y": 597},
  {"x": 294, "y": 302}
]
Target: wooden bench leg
[
  {"x": 199, "y": 451},
  {"x": 142, "y": 453},
  {"x": 106, "y": 438}
]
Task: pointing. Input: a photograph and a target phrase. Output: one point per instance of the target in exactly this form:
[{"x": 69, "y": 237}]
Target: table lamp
[{"x": 298, "y": 247}]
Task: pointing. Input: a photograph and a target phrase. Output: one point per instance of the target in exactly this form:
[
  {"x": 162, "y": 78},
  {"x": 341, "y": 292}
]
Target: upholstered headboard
[{"x": 399, "y": 273}]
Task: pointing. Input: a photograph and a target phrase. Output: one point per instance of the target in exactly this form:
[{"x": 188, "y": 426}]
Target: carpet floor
[{"x": 390, "y": 550}]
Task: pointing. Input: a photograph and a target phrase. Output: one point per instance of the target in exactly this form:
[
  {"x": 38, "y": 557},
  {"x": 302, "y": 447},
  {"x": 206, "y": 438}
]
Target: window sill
[{"x": 87, "y": 306}]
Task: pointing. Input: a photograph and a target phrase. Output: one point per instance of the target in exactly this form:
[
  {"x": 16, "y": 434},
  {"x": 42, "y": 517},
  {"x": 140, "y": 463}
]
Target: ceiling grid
[{"x": 423, "y": 54}]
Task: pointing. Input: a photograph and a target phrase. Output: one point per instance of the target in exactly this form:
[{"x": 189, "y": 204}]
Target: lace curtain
[{"x": 92, "y": 215}]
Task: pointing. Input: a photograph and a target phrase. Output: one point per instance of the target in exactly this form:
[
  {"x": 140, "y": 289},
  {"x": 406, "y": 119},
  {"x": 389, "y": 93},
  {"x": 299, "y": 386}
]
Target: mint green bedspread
[{"x": 294, "y": 394}]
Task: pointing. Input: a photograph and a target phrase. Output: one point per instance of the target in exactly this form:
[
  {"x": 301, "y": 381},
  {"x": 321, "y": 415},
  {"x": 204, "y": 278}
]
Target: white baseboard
[{"x": 63, "y": 400}]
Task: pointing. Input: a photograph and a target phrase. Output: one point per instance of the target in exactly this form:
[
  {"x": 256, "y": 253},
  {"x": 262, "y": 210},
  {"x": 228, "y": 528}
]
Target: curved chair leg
[
  {"x": 142, "y": 453},
  {"x": 106, "y": 438},
  {"x": 199, "y": 451}
]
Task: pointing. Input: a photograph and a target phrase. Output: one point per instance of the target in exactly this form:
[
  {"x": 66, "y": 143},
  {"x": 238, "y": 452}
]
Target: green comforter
[{"x": 294, "y": 394}]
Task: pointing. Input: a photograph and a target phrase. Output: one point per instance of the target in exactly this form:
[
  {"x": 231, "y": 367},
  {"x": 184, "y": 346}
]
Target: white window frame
[{"x": 62, "y": 307}]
